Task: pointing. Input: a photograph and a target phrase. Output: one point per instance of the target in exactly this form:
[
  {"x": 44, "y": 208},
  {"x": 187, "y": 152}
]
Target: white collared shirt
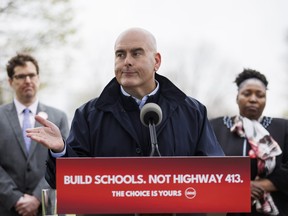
[
  {"x": 144, "y": 99},
  {"x": 20, "y": 107}
]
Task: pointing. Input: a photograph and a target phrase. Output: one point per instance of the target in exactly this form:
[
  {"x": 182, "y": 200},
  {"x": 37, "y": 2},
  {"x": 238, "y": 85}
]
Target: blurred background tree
[
  {"x": 202, "y": 55},
  {"x": 34, "y": 27}
]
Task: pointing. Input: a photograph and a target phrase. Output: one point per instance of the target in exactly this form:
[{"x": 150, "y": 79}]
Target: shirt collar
[
  {"x": 20, "y": 107},
  {"x": 152, "y": 93},
  {"x": 143, "y": 100}
]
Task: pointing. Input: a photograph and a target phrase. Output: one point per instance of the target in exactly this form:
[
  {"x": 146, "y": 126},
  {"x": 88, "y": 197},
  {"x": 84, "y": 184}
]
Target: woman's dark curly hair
[{"x": 248, "y": 74}]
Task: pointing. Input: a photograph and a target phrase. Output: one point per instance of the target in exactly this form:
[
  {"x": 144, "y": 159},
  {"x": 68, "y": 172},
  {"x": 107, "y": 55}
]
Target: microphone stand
[{"x": 153, "y": 138}]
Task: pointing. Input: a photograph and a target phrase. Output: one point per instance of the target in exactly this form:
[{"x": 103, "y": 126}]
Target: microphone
[{"x": 151, "y": 116}]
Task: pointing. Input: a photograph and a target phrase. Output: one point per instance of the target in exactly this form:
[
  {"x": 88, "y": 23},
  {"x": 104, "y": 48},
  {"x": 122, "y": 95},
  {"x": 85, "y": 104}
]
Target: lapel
[
  {"x": 123, "y": 119},
  {"x": 40, "y": 108},
  {"x": 12, "y": 115}
]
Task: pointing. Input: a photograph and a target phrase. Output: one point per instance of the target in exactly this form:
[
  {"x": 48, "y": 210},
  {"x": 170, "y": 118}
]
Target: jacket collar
[
  {"x": 229, "y": 121},
  {"x": 110, "y": 100},
  {"x": 111, "y": 94}
]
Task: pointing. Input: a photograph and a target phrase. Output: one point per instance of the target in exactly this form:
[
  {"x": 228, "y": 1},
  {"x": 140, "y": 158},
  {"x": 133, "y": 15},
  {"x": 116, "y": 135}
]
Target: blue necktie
[{"x": 26, "y": 124}]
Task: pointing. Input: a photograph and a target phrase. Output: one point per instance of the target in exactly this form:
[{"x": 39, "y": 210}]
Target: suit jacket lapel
[{"x": 12, "y": 115}]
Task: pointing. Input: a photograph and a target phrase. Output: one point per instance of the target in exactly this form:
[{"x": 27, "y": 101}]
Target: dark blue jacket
[{"x": 110, "y": 126}]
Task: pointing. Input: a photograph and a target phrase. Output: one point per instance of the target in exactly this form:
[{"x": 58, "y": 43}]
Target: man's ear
[{"x": 157, "y": 61}]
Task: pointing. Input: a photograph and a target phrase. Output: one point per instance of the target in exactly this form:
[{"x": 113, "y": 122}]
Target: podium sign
[{"x": 153, "y": 185}]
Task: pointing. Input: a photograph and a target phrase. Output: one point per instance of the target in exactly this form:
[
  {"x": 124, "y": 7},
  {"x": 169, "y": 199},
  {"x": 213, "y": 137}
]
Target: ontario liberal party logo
[{"x": 190, "y": 193}]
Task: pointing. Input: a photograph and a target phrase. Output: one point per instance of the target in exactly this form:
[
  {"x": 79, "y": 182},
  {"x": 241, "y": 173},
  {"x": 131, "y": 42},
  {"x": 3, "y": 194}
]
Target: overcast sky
[{"x": 232, "y": 34}]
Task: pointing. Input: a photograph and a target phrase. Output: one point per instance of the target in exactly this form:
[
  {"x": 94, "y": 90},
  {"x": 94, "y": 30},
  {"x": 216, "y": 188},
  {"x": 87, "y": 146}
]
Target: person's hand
[
  {"x": 27, "y": 205},
  {"x": 257, "y": 190},
  {"x": 49, "y": 135}
]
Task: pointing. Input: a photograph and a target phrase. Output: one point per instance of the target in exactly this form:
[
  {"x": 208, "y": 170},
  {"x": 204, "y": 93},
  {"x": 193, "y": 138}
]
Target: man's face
[
  {"x": 136, "y": 61},
  {"x": 251, "y": 99},
  {"x": 25, "y": 83}
]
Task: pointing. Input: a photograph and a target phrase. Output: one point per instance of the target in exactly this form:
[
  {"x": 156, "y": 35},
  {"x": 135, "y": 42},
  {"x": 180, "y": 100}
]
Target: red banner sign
[{"x": 153, "y": 185}]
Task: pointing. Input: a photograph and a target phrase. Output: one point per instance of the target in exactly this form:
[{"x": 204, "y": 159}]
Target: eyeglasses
[{"x": 24, "y": 76}]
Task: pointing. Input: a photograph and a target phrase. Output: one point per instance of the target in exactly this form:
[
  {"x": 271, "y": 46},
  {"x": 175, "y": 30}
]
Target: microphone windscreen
[{"x": 151, "y": 112}]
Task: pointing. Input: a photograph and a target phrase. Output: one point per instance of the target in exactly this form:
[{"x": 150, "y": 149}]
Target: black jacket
[
  {"x": 232, "y": 145},
  {"x": 110, "y": 126}
]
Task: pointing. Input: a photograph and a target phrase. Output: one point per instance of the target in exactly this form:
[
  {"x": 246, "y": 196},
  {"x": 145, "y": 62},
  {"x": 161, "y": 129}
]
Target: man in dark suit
[{"x": 22, "y": 164}]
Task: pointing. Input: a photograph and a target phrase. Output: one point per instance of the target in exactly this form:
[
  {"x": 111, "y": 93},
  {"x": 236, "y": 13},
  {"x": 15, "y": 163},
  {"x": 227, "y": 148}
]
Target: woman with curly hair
[{"x": 264, "y": 139}]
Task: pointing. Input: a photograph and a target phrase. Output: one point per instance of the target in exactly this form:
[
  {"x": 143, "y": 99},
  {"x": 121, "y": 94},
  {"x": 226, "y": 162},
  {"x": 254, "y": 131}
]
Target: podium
[{"x": 153, "y": 185}]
